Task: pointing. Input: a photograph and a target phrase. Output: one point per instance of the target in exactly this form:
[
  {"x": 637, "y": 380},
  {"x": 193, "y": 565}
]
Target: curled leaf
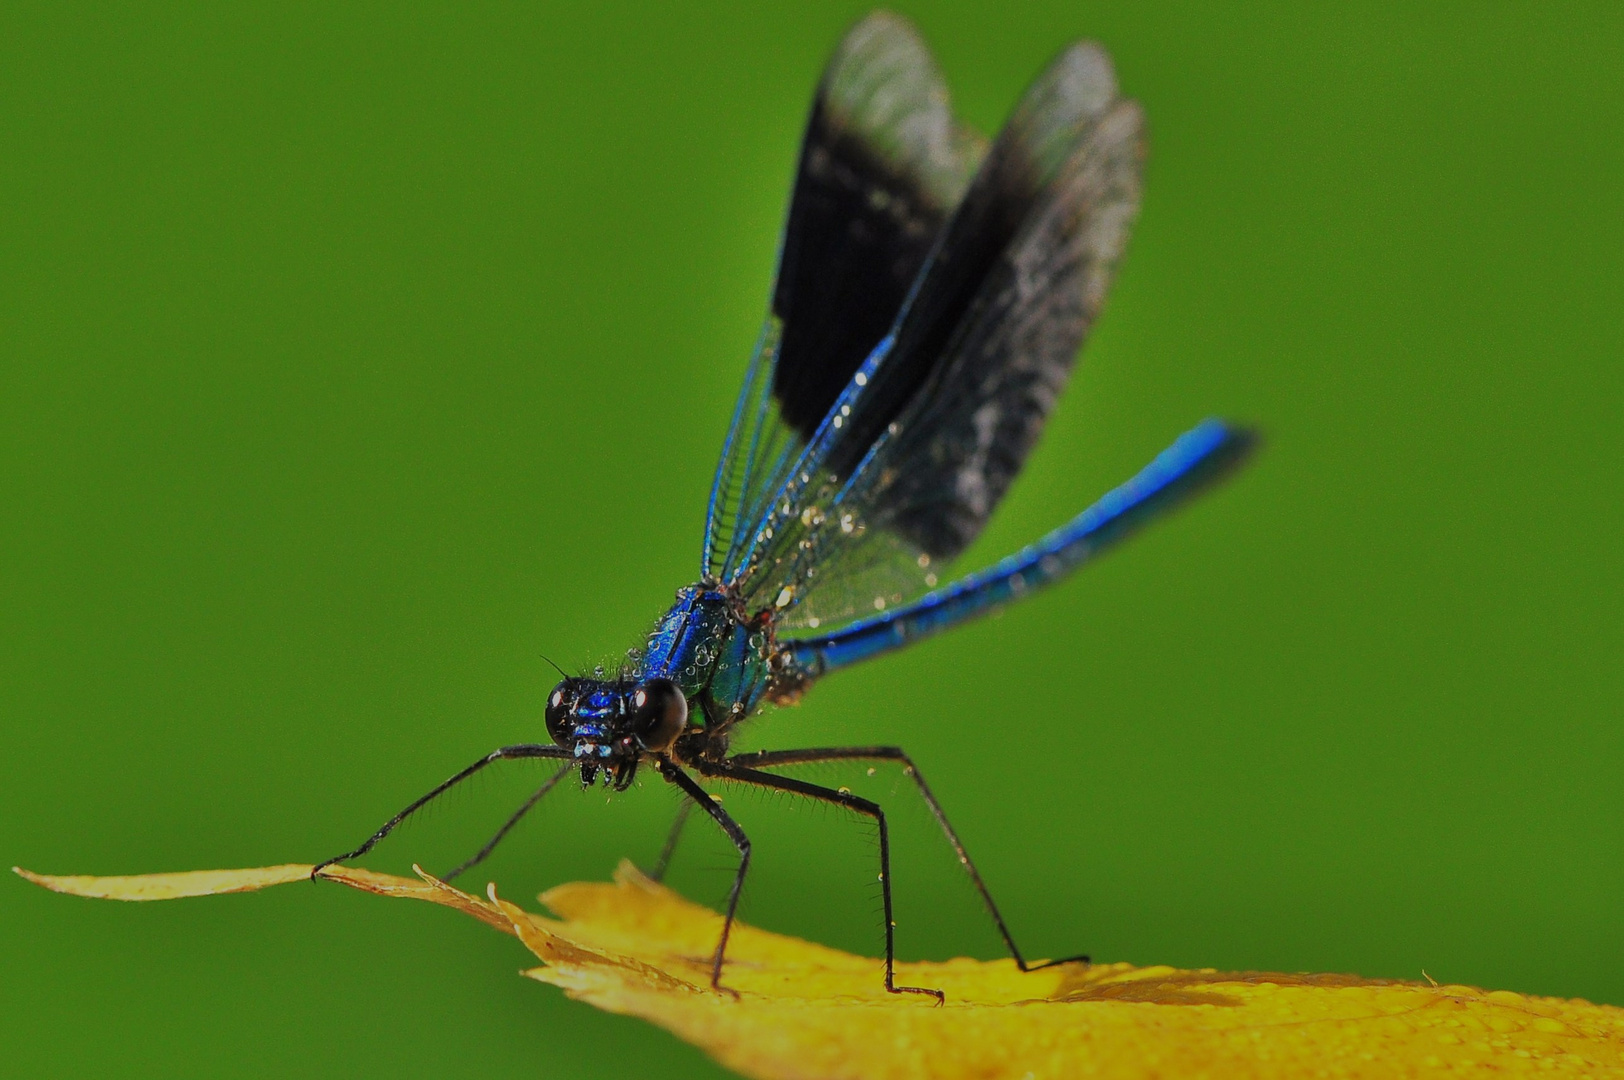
[{"x": 803, "y": 1010}]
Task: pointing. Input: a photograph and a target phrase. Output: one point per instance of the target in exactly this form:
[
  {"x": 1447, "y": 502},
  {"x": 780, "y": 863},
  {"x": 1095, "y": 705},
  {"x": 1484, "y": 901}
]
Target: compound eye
[
  {"x": 560, "y": 703},
  {"x": 659, "y": 713}
]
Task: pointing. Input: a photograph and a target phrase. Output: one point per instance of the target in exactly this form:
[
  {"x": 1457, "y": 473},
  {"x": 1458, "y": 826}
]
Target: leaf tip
[{"x": 47, "y": 881}]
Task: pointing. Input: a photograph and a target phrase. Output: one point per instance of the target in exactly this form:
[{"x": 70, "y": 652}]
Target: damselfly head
[{"x": 611, "y": 725}]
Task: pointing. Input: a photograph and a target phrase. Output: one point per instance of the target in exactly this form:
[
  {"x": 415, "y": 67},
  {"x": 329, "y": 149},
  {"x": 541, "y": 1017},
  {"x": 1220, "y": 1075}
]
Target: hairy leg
[
  {"x": 507, "y": 827},
  {"x": 506, "y": 753},
  {"x": 702, "y": 799},
  {"x": 663, "y": 863},
  {"x": 727, "y": 770},
  {"x": 771, "y": 758}
]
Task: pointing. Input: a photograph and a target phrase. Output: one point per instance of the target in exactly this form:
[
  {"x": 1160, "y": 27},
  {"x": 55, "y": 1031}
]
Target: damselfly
[{"x": 932, "y": 292}]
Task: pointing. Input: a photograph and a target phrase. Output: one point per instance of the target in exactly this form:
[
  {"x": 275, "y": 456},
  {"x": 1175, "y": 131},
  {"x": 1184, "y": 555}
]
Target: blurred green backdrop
[{"x": 352, "y": 359}]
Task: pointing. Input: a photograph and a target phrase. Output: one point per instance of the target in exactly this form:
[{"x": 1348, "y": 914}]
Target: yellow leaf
[
  {"x": 803, "y": 1010},
  {"x": 169, "y": 886}
]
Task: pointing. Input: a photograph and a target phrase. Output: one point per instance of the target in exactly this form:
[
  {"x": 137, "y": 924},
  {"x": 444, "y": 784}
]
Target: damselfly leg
[
  {"x": 507, "y": 826},
  {"x": 505, "y": 753},
  {"x": 675, "y": 775},
  {"x": 727, "y": 770},
  {"x": 663, "y": 862},
  {"x": 774, "y": 758}
]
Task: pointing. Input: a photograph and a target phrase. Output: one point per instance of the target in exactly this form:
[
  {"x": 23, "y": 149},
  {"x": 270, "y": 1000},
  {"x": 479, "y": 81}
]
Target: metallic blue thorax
[{"x": 705, "y": 646}]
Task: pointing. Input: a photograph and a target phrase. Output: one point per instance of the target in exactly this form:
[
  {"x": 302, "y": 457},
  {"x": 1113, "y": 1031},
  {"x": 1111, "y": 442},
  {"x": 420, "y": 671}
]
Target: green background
[{"x": 350, "y": 360}]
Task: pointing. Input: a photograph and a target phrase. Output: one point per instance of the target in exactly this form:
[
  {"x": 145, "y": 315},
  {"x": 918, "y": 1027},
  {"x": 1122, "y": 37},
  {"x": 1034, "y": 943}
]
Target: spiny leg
[
  {"x": 770, "y": 758},
  {"x": 727, "y": 770},
  {"x": 663, "y": 863},
  {"x": 518, "y": 815},
  {"x": 523, "y": 750},
  {"x": 740, "y": 841}
]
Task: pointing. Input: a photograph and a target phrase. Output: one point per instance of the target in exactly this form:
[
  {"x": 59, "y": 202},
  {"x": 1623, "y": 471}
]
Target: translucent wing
[
  {"x": 882, "y": 165},
  {"x": 918, "y": 450}
]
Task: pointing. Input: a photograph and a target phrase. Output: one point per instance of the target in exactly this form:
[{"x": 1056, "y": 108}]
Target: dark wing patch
[
  {"x": 919, "y": 449},
  {"x": 969, "y": 434},
  {"x": 1053, "y": 115},
  {"x": 882, "y": 165}
]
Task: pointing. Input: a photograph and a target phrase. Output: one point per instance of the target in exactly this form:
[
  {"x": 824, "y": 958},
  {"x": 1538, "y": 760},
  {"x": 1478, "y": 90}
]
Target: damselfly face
[{"x": 610, "y": 725}]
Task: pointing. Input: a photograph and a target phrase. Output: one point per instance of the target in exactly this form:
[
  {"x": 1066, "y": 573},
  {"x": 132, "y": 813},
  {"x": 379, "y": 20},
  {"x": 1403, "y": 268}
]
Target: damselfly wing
[{"x": 932, "y": 293}]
